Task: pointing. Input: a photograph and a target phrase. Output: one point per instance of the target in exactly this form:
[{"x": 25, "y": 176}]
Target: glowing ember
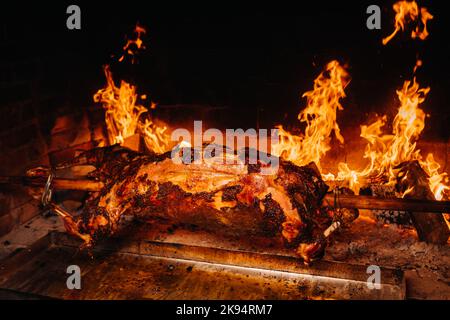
[
  {"x": 409, "y": 11},
  {"x": 419, "y": 63},
  {"x": 319, "y": 115}
]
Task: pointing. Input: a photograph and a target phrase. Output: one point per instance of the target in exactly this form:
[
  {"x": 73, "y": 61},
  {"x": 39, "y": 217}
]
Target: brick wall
[
  {"x": 38, "y": 124},
  {"x": 21, "y": 142}
]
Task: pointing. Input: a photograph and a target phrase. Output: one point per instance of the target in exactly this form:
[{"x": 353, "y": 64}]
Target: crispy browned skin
[{"x": 232, "y": 199}]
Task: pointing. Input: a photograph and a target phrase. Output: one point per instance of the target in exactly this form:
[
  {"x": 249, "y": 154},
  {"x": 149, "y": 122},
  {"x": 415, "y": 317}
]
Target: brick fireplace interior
[{"x": 240, "y": 71}]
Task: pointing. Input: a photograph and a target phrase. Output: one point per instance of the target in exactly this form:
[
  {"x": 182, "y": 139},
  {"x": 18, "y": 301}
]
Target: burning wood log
[
  {"x": 412, "y": 182},
  {"x": 374, "y": 203},
  {"x": 382, "y": 190}
]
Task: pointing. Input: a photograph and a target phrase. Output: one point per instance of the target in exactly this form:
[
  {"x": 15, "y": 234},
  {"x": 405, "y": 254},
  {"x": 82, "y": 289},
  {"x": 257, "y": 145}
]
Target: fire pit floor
[
  {"x": 163, "y": 261},
  {"x": 426, "y": 266},
  {"x": 159, "y": 270}
]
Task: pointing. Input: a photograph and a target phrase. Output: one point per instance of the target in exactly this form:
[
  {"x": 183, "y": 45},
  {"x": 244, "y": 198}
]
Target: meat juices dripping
[{"x": 232, "y": 199}]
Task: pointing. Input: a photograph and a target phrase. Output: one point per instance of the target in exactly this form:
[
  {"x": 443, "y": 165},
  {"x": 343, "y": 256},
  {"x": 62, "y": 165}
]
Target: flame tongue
[
  {"x": 124, "y": 115},
  {"x": 409, "y": 11},
  {"x": 320, "y": 118},
  {"x": 122, "y": 111},
  {"x": 388, "y": 151}
]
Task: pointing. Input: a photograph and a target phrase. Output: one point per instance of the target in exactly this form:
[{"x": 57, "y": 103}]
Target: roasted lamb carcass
[{"x": 235, "y": 199}]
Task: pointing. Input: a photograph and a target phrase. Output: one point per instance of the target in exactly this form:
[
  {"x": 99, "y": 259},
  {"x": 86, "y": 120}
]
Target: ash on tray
[
  {"x": 368, "y": 241},
  {"x": 400, "y": 218}
]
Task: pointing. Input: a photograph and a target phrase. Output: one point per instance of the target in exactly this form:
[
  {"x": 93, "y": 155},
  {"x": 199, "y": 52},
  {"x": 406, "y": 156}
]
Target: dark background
[{"x": 254, "y": 58}]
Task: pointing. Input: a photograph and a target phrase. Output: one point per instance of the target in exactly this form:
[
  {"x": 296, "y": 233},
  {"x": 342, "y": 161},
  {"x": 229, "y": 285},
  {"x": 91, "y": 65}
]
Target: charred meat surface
[{"x": 235, "y": 199}]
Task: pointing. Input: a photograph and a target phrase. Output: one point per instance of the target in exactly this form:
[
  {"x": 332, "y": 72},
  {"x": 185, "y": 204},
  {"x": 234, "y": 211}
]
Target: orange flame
[
  {"x": 155, "y": 136},
  {"x": 134, "y": 45},
  {"x": 319, "y": 115},
  {"x": 123, "y": 115},
  {"x": 409, "y": 11},
  {"x": 424, "y": 17},
  {"x": 386, "y": 151},
  {"x": 122, "y": 112}
]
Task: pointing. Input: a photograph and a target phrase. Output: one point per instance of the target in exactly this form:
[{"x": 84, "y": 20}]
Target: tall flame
[
  {"x": 409, "y": 11},
  {"x": 386, "y": 151},
  {"x": 122, "y": 112},
  {"x": 123, "y": 115},
  {"x": 319, "y": 115}
]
